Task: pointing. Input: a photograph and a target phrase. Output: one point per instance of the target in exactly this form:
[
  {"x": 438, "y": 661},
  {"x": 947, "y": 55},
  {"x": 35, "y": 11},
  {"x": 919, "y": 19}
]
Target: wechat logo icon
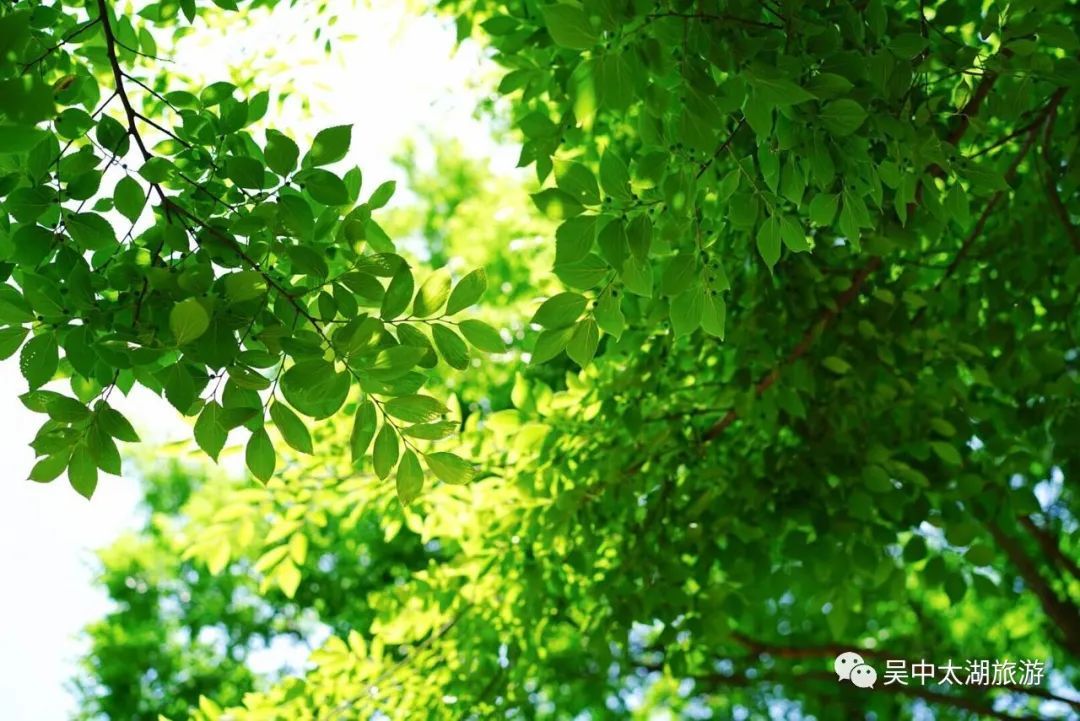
[{"x": 850, "y": 666}]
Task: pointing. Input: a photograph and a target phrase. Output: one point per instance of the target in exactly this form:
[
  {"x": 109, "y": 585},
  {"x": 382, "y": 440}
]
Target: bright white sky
[{"x": 399, "y": 76}]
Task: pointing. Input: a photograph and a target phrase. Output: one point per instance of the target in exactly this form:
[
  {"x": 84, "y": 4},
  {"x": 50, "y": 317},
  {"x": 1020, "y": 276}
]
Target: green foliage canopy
[{"x": 251, "y": 282}]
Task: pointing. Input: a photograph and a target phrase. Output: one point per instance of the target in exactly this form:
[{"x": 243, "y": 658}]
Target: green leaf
[
  {"x": 244, "y": 172},
  {"x": 768, "y": 241},
  {"x": 116, "y": 425},
  {"x": 330, "y": 145},
  {"x": 325, "y": 187},
  {"x": 281, "y": 152},
  {"x": 410, "y": 478},
  {"x": 614, "y": 175},
  {"x": 680, "y": 272},
  {"x": 876, "y": 479},
  {"x": 637, "y": 277},
  {"x": 156, "y": 170},
  {"x": 431, "y": 431},
  {"x": 550, "y": 343},
  {"x": 980, "y": 555},
  {"x": 179, "y": 388},
  {"x": 686, "y": 311},
  {"x": 314, "y": 388},
  {"x": 260, "y": 456},
  {"x": 482, "y": 336},
  {"x": 713, "y": 314},
  {"x": 82, "y": 471},
  {"x": 363, "y": 430},
  {"x": 585, "y": 273},
  {"x": 842, "y": 117},
  {"x": 608, "y": 314},
  {"x": 777, "y": 90},
  {"x": 90, "y": 231},
  {"x": 823, "y": 209},
  {"x": 39, "y": 360},
  {"x": 907, "y": 45},
  {"x": 578, "y": 182},
  {"x": 958, "y": 206},
  {"x": 382, "y": 195},
  {"x": 129, "y": 198},
  {"x": 582, "y": 345},
  {"x": 947, "y": 452},
  {"x": 244, "y": 285},
  {"x": 287, "y": 575},
  {"x": 416, "y": 408},
  {"x": 385, "y": 452},
  {"x": 758, "y": 111},
  {"x": 451, "y": 347},
  {"x": 49, "y": 468},
  {"x": 962, "y": 533},
  {"x": 291, "y": 427},
  {"x": 467, "y": 292},
  {"x": 398, "y": 294},
  {"x": 210, "y": 431},
  {"x": 569, "y": 26},
  {"x": 560, "y": 310},
  {"x": 574, "y": 239},
  {"x": 449, "y": 468},
  {"x": 19, "y": 138},
  {"x": 432, "y": 294},
  {"x": 188, "y": 320},
  {"x": 11, "y": 339},
  {"x": 836, "y": 364},
  {"x": 793, "y": 235}
]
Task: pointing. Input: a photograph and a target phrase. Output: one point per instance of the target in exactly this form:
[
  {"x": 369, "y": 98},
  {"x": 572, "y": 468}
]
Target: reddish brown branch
[
  {"x": 995, "y": 199},
  {"x": 1049, "y": 546},
  {"x": 807, "y": 340},
  {"x": 859, "y": 279},
  {"x": 972, "y": 107},
  {"x": 1050, "y": 180},
  {"x": 982, "y": 708},
  {"x": 1062, "y": 612},
  {"x": 784, "y": 651}
]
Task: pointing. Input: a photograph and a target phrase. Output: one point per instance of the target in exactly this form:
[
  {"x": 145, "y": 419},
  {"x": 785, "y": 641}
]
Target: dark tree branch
[
  {"x": 758, "y": 647},
  {"x": 121, "y": 91},
  {"x": 1050, "y": 179},
  {"x": 1064, "y": 614},
  {"x": 805, "y": 343},
  {"x": 995, "y": 199},
  {"x": 1049, "y": 546},
  {"x": 861, "y": 275},
  {"x": 714, "y": 17},
  {"x": 744, "y": 680},
  {"x": 722, "y": 147},
  {"x": 63, "y": 41}
]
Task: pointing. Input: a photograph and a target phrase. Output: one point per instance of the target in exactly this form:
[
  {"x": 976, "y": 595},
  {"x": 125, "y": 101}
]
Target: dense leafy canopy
[
  {"x": 804, "y": 378},
  {"x": 152, "y": 240}
]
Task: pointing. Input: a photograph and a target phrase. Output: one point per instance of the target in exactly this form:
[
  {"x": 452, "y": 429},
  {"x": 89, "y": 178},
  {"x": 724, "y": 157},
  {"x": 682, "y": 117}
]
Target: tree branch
[
  {"x": 63, "y": 41},
  {"x": 862, "y": 274},
  {"x": 1050, "y": 180},
  {"x": 743, "y": 680},
  {"x": 980, "y": 224},
  {"x": 1049, "y": 546},
  {"x": 1063, "y": 613},
  {"x": 715, "y": 18},
  {"x": 783, "y": 651},
  {"x": 121, "y": 91},
  {"x": 804, "y": 345}
]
